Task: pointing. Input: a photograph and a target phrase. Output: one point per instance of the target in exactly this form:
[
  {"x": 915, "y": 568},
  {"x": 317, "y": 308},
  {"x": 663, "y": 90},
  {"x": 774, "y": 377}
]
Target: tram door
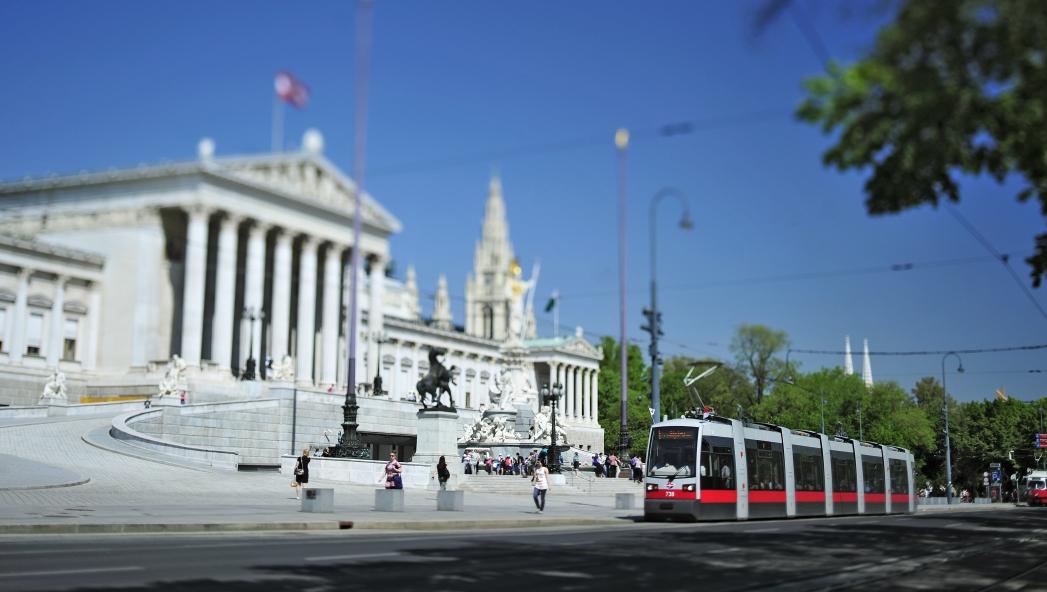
[
  {"x": 718, "y": 487},
  {"x": 765, "y": 464},
  {"x": 808, "y": 471},
  {"x": 845, "y": 482},
  {"x": 874, "y": 484},
  {"x": 899, "y": 485}
]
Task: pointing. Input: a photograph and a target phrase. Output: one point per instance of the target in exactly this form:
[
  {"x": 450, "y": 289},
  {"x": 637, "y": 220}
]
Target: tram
[{"x": 726, "y": 469}]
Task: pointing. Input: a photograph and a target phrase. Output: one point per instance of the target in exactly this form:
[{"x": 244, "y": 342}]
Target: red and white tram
[{"x": 724, "y": 469}]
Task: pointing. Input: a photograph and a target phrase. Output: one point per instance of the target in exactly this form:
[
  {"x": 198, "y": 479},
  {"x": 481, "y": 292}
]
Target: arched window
[{"x": 488, "y": 323}]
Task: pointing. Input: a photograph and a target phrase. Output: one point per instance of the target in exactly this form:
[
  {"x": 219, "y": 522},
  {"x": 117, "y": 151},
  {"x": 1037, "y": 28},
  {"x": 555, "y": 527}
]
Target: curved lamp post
[
  {"x": 945, "y": 412},
  {"x": 654, "y": 320}
]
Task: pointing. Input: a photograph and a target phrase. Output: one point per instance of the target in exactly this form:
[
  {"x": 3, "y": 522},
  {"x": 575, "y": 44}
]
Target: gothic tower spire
[
  {"x": 848, "y": 363},
  {"x": 867, "y": 371},
  {"x": 486, "y": 306}
]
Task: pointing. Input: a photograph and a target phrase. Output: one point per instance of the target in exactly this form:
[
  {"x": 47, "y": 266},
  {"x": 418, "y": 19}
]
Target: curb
[
  {"x": 86, "y": 438},
  {"x": 141, "y": 528},
  {"x": 25, "y": 487},
  {"x": 147, "y": 528},
  {"x": 964, "y": 507}
]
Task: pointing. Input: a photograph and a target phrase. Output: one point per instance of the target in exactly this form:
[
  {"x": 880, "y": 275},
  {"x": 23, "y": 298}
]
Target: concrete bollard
[
  {"x": 318, "y": 499},
  {"x": 450, "y": 501},
  {"x": 624, "y": 501},
  {"x": 389, "y": 500}
]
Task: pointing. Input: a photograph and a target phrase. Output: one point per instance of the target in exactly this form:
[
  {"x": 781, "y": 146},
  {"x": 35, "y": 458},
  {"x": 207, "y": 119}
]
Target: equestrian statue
[{"x": 436, "y": 381}]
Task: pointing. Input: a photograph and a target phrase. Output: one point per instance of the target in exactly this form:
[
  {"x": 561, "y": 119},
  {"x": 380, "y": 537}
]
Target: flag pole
[
  {"x": 278, "y": 124},
  {"x": 556, "y": 317}
]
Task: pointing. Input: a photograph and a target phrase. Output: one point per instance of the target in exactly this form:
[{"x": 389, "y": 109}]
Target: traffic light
[{"x": 654, "y": 322}]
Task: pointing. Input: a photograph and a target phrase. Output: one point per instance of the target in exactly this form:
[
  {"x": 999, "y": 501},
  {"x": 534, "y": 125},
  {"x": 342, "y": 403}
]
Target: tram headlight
[
  {"x": 652, "y": 487},
  {"x": 689, "y": 487}
]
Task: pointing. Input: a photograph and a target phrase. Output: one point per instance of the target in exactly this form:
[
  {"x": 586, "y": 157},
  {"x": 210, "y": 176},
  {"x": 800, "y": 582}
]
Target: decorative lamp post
[
  {"x": 379, "y": 338},
  {"x": 945, "y": 413},
  {"x": 550, "y": 396},
  {"x": 349, "y": 443},
  {"x": 654, "y": 317},
  {"x": 621, "y": 141},
  {"x": 252, "y": 315}
]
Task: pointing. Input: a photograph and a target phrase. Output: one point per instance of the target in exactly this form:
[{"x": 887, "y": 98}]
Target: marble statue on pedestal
[
  {"x": 437, "y": 381},
  {"x": 172, "y": 377},
  {"x": 284, "y": 369},
  {"x": 54, "y": 388}
]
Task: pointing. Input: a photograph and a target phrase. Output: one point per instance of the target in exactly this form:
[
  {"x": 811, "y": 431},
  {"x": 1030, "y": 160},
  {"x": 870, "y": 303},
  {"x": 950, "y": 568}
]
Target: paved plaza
[{"x": 125, "y": 489}]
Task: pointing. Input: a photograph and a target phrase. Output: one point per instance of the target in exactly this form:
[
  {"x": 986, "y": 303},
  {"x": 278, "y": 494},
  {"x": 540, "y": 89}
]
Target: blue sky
[{"x": 94, "y": 85}]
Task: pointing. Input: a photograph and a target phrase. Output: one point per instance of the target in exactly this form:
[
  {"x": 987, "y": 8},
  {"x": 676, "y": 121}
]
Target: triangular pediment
[
  {"x": 309, "y": 177},
  {"x": 580, "y": 346}
]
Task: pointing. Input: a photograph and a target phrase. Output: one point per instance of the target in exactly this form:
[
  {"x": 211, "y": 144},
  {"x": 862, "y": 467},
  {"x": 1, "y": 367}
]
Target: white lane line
[
  {"x": 728, "y": 550},
  {"x": 356, "y": 556},
  {"x": 762, "y": 530},
  {"x": 869, "y": 522},
  {"x": 62, "y": 572}
]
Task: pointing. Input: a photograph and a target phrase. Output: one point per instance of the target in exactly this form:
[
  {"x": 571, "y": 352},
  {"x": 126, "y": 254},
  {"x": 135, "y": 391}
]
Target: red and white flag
[{"x": 291, "y": 90}]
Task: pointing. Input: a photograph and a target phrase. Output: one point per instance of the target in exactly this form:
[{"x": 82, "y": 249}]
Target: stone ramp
[{"x": 20, "y": 473}]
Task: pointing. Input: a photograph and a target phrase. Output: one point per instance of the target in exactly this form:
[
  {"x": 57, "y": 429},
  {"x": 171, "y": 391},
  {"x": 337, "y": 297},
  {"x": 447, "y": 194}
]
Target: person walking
[
  {"x": 576, "y": 463},
  {"x": 301, "y": 473},
  {"x": 393, "y": 480},
  {"x": 442, "y": 474},
  {"x": 541, "y": 485}
]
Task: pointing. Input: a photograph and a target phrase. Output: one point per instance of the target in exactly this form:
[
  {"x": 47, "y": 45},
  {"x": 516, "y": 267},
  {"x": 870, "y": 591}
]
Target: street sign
[{"x": 1041, "y": 440}]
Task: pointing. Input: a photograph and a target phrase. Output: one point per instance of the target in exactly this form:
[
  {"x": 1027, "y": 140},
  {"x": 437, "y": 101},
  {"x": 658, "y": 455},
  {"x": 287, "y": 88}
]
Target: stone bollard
[
  {"x": 318, "y": 499},
  {"x": 450, "y": 501},
  {"x": 624, "y": 501},
  {"x": 389, "y": 500}
]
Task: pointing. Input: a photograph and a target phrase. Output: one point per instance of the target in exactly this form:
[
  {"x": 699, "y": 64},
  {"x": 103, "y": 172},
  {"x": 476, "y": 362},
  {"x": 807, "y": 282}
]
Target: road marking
[
  {"x": 62, "y": 572},
  {"x": 869, "y": 522},
  {"x": 763, "y": 530},
  {"x": 954, "y": 524},
  {"x": 728, "y": 550},
  {"x": 562, "y": 574},
  {"x": 356, "y": 556}
]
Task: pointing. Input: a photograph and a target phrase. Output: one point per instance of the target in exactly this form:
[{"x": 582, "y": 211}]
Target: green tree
[
  {"x": 721, "y": 390},
  {"x": 993, "y": 431},
  {"x": 637, "y": 399},
  {"x": 950, "y": 86},
  {"x": 930, "y": 397},
  {"x": 754, "y": 347}
]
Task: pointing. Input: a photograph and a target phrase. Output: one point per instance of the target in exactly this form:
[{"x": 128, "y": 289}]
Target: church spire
[
  {"x": 848, "y": 363},
  {"x": 867, "y": 371},
  {"x": 442, "y": 308}
]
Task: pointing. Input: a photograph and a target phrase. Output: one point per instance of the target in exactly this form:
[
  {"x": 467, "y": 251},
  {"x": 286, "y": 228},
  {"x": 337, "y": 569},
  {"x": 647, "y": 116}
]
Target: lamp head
[
  {"x": 960, "y": 369},
  {"x": 686, "y": 223}
]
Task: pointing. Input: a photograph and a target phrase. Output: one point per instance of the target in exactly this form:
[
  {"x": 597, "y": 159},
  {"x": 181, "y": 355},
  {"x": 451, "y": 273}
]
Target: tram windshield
[{"x": 673, "y": 452}]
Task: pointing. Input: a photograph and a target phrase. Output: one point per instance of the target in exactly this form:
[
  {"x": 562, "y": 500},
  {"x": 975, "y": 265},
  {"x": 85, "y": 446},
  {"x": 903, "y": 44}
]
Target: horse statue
[{"x": 436, "y": 381}]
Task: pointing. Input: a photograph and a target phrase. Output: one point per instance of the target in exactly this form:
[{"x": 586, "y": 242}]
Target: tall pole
[
  {"x": 621, "y": 140},
  {"x": 945, "y": 412},
  {"x": 823, "y": 410},
  {"x": 350, "y": 445},
  {"x": 654, "y": 319}
]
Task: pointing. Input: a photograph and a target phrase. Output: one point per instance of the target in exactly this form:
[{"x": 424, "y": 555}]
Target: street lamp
[
  {"x": 621, "y": 141},
  {"x": 550, "y": 396},
  {"x": 654, "y": 318},
  {"x": 251, "y": 314},
  {"x": 379, "y": 338},
  {"x": 945, "y": 412}
]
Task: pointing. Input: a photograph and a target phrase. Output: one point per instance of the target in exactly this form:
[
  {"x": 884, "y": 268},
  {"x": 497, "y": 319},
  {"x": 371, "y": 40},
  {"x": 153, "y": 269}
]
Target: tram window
[
  {"x": 899, "y": 476},
  {"x": 808, "y": 473},
  {"x": 673, "y": 451},
  {"x": 717, "y": 464},
  {"x": 844, "y": 476},
  {"x": 766, "y": 466},
  {"x": 872, "y": 474}
]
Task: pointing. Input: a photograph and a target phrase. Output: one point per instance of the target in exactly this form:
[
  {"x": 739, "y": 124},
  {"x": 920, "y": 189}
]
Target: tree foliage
[
  {"x": 950, "y": 86},
  {"x": 754, "y": 347}
]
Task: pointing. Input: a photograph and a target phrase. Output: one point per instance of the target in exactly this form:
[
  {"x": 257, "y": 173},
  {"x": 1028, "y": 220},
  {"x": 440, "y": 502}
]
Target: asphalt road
[{"x": 982, "y": 550}]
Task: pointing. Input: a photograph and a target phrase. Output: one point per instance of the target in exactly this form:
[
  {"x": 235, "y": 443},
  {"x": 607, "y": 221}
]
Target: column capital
[
  {"x": 199, "y": 210},
  {"x": 257, "y": 226},
  {"x": 24, "y": 273},
  {"x": 334, "y": 251},
  {"x": 61, "y": 280},
  {"x": 309, "y": 242},
  {"x": 232, "y": 219},
  {"x": 283, "y": 236}
]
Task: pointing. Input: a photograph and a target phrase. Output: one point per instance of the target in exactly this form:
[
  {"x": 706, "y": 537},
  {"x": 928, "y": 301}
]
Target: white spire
[
  {"x": 867, "y": 370},
  {"x": 412, "y": 293},
  {"x": 442, "y": 308},
  {"x": 848, "y": 363}
]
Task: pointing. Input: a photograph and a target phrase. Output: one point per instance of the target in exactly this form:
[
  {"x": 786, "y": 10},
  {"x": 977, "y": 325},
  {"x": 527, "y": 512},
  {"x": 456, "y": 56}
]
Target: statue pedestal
[
  {"x": 438, "y": 436},
  {"x": 53, "y": 402}
]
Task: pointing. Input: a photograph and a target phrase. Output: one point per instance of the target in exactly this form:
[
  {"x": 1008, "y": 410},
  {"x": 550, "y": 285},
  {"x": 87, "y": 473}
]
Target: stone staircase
[{"x": 588, "y": 484}]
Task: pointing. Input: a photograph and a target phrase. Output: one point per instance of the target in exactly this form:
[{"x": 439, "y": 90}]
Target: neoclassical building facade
[{"x": 107, "y": 275}]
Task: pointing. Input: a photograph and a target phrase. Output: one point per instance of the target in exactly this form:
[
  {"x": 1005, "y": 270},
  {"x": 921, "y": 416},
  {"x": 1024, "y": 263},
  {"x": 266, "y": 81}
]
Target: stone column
[
  {"x": 195, "y": 279},
  {"x": 306, "y": 311},
  {"x": 255, "y": 276},
  {"x": 94, "y": 324},
  {"x": 585, "y": 404},
  {"x": 281, "y": 320},
  {"x": 225, "y": 293},
  {"x": 332, "y": 281},
  {"x": 568, "y": 388},
  {"x": 54, "y": 339},
  {"x": 375, "y": 312},
  {"x": 594, "y": 409},
  {"x": 554, "y": 374},
  {"x": 585, "y": 390},
  {"x": 17, "y": 349}
]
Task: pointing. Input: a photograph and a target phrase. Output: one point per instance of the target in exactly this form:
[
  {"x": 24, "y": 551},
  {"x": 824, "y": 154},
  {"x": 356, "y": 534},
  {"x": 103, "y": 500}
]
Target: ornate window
[{"x": 488, "y": 324}]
